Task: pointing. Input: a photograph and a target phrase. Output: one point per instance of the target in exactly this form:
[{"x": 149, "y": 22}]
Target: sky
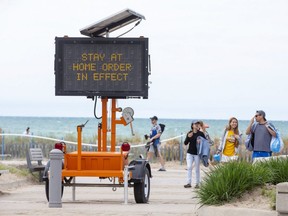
[{"x": 210, "y": 59}]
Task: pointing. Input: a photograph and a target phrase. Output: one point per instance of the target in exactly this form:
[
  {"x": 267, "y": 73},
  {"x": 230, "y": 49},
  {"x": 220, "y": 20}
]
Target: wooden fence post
[{"x": 3, "y": 146}]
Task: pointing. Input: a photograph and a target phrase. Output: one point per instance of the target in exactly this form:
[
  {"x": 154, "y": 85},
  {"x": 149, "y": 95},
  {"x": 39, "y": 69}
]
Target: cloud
[{"x": 210, "y": 59}]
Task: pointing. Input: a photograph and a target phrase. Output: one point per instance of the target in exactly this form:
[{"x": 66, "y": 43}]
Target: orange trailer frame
[{"x": 102, "y": 163}]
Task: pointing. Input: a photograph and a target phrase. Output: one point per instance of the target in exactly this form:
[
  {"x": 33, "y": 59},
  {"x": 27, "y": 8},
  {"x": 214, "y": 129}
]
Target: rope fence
[
  {"x": 17, "y": 148},
  {"x": 175, "y": 152},
  {"x": 84, "y": 144}
]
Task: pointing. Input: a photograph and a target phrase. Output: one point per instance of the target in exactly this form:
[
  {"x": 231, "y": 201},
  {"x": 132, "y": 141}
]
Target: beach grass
[
  {"x": 17, "y": 170},
  {"x": 17, "y": 146},
  {"x": 277, "y": 168},
  {"x": 270, "y": 192},
  {"x": 231, "y": 180},
  {"x": 225, "y": 182}
]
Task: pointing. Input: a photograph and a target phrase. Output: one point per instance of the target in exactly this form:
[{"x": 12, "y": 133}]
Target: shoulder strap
[
  {"x": 272, "y": 126},
  {"x": 253, "y": 127},
  {"x": 162, "y": 126}
]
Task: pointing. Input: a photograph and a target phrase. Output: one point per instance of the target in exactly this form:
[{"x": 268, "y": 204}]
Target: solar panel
[{"x": 111, "y": 23}]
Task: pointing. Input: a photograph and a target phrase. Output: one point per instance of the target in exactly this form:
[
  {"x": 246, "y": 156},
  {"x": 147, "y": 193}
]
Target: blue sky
[{"x": 210, "y": 59}]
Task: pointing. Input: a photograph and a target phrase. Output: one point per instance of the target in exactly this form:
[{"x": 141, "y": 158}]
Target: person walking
[
  {"x": 262, "y": 132},
  {"x": 27, "y": 131},
  {"x": 230, "y": 141},
  {"x": 192, "y": 153},
  {"x": 155, "y": 134}
]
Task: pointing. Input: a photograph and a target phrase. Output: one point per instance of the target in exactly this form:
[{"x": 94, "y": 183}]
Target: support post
[
  {"x": 126, "y": 173},
  {"x": 181, "y": 149},
  {"x": 113, "y": 125},
  {"x": 79, "y": 142},
  {"x": 31, "y": 141},
  {"x": 55, "y": 180},
  {"x": 104, "y": 124},
  {"x": 99, "y": 137},
  {"x": 3, "y": 146},
  {"x": 73, "y": 189}
]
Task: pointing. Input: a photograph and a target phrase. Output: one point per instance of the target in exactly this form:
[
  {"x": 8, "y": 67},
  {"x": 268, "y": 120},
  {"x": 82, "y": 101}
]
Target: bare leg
[{"x": 162, "y": 162}]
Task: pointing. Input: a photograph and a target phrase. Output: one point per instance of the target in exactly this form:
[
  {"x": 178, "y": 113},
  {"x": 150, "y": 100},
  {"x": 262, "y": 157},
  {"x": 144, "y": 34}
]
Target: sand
[{"x": 254, "y": 199}]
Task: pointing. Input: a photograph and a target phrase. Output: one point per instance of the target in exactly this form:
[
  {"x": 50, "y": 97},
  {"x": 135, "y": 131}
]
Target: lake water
[{"x": 58, "y": 127}]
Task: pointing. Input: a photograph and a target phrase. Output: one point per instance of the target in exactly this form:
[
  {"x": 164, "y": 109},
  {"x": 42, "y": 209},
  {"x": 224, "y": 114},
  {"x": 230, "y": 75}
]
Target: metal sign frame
[{"x": 61, "y": 67}]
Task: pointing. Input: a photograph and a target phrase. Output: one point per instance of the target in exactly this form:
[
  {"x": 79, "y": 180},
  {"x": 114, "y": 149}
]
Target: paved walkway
[{"x": 168, "y": 197}]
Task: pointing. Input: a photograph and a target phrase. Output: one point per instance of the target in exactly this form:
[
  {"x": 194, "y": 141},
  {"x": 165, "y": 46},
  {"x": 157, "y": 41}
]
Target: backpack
[
  {"x": 162, "y": 126},
  {"x": 249, "y": 142}
]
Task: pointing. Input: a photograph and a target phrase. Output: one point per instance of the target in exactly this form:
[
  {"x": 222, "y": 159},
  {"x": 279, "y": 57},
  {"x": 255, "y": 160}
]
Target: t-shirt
[
  {"x": 192, "y": 141},
  {"x": 155, "y": 130},
  {"x": 262, "y": 138},
  {"x": 229, "y": 149}
]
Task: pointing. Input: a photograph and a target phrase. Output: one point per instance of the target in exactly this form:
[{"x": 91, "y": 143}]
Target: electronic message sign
[{"x": 106, "y": 67}]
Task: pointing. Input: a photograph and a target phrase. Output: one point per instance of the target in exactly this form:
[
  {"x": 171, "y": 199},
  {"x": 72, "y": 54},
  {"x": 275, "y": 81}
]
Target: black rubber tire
[
  {"x": 47, "y": 189},
  {"x": 142, "y": 189}
]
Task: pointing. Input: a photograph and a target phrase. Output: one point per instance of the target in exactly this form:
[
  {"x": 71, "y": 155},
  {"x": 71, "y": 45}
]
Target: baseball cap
[
  {"x": 262, "y": 113},
  {"x": 154, "y": 118},
  {"x": 195, "y": 121}
]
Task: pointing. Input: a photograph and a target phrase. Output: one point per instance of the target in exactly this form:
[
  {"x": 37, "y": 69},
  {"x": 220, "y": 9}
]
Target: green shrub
[
  {"x": 278, "y": 169},
  {"x": 261, "y": 174},
  {"x": 225, "y": 182},
  {"x": 231, "y": 180}
]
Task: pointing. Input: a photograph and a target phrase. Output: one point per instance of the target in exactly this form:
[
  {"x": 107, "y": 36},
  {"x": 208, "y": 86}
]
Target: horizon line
[{"x": 218, "y": 119}]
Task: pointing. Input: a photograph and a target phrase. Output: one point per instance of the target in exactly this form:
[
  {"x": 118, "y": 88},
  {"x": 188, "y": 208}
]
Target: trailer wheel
[
  {"x": 47, "y": 189},
  {"x": 142, "y": 189}
]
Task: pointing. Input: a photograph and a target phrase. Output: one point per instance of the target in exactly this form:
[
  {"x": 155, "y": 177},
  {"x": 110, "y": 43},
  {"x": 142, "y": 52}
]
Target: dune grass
[
  {"x": 20, "y": 171},
  {"x": 271, "y": 194},
  {"x": 233, "y": 179},
  {"x": 277, "y": 168},
  {"x": 226, "y": 182}
]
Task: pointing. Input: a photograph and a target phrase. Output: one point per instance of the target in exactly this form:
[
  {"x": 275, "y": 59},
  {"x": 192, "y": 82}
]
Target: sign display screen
[{"x": 106, "y": 67}]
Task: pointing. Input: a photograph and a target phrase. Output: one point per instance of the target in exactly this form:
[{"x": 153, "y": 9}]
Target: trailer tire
[
  {"x": 142, "y": 189},
  {"x": 47, "y": 189}
]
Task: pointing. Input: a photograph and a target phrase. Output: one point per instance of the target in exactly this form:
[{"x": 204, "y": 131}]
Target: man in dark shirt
[
  {"x": 192, "y": 154},
  {"x": 263, "y": 132}
]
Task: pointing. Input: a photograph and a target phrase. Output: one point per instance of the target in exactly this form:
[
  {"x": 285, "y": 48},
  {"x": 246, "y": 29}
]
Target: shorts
[
  {"x": 257, "y": 154},
  {"x": 151, "y": 149},
  {"x": 225, "y": 158}
]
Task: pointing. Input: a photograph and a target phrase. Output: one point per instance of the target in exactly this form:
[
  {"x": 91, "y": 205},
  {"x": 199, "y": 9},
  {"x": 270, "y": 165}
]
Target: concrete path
[
  {"x": 168, "y": 197},
  {"x": 229, "y": 211}
]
